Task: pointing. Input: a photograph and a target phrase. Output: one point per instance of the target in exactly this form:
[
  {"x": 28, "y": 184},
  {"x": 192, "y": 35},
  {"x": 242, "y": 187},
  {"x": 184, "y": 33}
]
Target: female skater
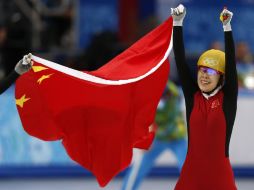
[
  {"x": 210, "y": 110},
  {"x": 22, "y": 66}
]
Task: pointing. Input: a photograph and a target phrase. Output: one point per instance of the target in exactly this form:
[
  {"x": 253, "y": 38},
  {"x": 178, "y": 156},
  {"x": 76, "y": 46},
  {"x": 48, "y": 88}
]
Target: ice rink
[{"x": 91, "y": 184}]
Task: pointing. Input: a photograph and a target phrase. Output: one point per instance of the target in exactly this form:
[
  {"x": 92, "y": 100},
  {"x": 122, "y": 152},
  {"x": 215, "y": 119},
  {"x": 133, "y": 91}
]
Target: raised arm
[
  {"x": 230, "y": 87},
  {"x": 231, "y": 82},
  {"x": 22, "y": 66},
  {"x": 188, "y": 83}
]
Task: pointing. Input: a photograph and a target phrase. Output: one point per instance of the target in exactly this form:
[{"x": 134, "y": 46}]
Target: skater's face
[{"x": 207, "y": 79}]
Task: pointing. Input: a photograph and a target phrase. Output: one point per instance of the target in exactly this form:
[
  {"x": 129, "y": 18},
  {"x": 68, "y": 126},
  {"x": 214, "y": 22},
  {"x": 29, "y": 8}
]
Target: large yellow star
[
  {"x": 38, "y": 68},
  {"x": 20, "y": 102},
  {"x": 43, "y": 77}
]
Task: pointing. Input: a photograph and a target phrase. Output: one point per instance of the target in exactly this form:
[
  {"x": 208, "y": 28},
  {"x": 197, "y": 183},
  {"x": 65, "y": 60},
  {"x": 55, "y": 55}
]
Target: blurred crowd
[
  {"x": 33, "y": 25},
  {"x": 48, "y": 27}
]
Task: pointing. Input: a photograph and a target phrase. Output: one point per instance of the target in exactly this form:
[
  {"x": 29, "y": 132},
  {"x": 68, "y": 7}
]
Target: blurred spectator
[
  {"x": 15, "y": 32},
  {"x": 245, "y": 66},
  {"x": 57, "y": 18},
  {"x": 243, "y": 53},
  {"x": 103, "y": 47},
  {"x": 216, "y": 45},
  {"x": 147, "y": 25},
  {"x": 2, "y": 40}
]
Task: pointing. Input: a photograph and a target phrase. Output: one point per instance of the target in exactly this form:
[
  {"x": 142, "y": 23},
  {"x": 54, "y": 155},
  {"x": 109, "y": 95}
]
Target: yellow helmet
[{"x": 214, "y": 59}]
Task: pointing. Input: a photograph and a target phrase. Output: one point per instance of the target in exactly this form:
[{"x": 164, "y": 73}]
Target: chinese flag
[{"x": 100, "y": 116}]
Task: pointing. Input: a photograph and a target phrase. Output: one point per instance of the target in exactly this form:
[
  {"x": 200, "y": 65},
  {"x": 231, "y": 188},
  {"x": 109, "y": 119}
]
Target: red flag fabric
[{"x": 100, "y": 116}]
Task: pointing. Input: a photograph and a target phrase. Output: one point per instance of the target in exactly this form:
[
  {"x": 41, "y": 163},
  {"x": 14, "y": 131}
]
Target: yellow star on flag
[
  {"x": 20, "y": 102},
  {"x": 43, "y": 77},
  {"x": 38, "y": 68}
]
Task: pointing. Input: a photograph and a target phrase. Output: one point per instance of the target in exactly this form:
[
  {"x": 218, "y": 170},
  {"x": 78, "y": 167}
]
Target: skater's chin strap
[{"x": 208, "y": 95}]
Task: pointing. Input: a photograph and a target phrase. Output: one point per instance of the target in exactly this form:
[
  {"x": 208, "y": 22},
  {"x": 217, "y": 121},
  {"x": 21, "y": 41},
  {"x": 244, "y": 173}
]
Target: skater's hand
[
  {"x": 178, "y": 15},
  {"x": 24, "y": 64},
  {"x": 226, "y": 17}
]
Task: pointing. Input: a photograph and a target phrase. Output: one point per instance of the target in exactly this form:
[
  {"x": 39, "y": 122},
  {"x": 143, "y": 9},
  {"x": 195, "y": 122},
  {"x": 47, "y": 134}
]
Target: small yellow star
[
  {"x": 38, "y": 68},
  {"x": 43, "y": 77},
  {"x": 20, "y": 102}
]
